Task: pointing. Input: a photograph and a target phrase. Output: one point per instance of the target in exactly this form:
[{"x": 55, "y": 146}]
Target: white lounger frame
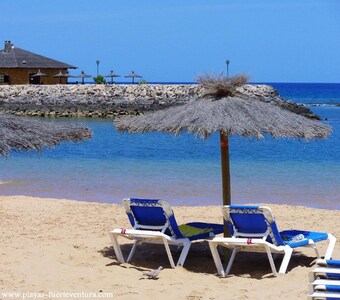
[
  {"x": 239, "y": 243},
  {"x": 154, "y": 237},
  {"x": 152, "y": 234},
  {"x": 259, "y": 245}
]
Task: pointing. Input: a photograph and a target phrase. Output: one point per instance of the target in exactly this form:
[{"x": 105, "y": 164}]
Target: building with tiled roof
[{"x": 18, "y": 66}]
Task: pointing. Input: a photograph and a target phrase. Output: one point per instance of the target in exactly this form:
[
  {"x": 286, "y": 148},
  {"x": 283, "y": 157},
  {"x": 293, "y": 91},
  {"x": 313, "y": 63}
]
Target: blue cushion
[
  {"x": 333, "y": 263},
  {"x": 245, "y": 207},
  {"x": 333, "y": 288},
  {"x": 288, "y": 236},
  {"x": 333, "y": 276},
  {"x": 249, "y": 223},
  {"x": 147, "y": 214}
]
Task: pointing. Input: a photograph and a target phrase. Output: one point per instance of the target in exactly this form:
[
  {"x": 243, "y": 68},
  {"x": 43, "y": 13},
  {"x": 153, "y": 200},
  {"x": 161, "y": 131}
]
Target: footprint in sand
[{"x": 194, "y": 296}]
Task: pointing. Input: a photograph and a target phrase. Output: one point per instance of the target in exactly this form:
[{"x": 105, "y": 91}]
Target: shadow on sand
[{"x": 199, "y": 260}]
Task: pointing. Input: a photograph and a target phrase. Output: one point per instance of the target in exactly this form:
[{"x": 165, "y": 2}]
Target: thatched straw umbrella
[
  {"x": 226, "y": 110},
  {"x": 82, "y": 75},
  {"x": 112, "y": 75},
  {"x": 20, "y": 133},
  {"x": 59, "y": 75},
  {"x": 39, "y": 74},
  {"x": 133, "y": 75},
  {"x": 62, "y": 75}
]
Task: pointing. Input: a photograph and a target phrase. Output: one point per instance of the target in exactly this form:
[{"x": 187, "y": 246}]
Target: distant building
[{"x": 18, "y": 66}]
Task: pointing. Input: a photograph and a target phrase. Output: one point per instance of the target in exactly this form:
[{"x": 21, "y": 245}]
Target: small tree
[{"x": 99, "y": 79}]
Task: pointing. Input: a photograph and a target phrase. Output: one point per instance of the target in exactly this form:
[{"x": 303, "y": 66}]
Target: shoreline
[
  {"x": 192, "y": 200},
  {"x": 64, "y": 246},
  {"x": 200, "y": 205}
]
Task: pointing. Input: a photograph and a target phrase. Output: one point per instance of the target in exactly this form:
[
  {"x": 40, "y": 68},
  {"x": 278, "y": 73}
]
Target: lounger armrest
[
  {"x": 326, "y": 270},
  {"x": 326, "y": 282},
  {"x": 238, "y": 241},
  {"x": 332, "y": 273},
  {"x": 328, "y": 263},
  {"x": 135, "y": 233},
  {"x": 323, "y": 295}
]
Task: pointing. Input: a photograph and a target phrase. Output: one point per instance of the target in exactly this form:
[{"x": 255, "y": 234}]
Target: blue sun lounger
[
  {"x": 153, "y": 221},
  {"x": 324, "y": 280},
  {"x": 253, "y": 229}
]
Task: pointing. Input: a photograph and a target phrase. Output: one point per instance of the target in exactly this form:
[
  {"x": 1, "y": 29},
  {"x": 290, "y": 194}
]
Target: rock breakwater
[{"x": 109, "y": 101}]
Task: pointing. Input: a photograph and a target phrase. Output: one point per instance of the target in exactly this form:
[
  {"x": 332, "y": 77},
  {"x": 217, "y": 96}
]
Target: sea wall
[{"x": 109, "y": 101}]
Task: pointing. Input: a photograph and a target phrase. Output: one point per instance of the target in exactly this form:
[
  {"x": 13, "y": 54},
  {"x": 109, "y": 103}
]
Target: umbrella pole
[
  {"x": 225, "y": 173},
  {"x": 225, "y": 169}
]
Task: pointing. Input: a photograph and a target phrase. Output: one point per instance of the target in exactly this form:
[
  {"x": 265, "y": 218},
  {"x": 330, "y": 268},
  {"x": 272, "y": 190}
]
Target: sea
[{"x": 185, "y": 170}]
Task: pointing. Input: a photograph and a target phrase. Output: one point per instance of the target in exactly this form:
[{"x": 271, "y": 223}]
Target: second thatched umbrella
[
  {"x": 133, "y": 75},
  {"x": 38, "y": 75},
  {"x": 227, "y": 111},
  {"x": 62, "y": 75},
  {"x": 22, "y": 134},
  {"x": 82, "y": 75},
  {"x": 112, "y": 75}
]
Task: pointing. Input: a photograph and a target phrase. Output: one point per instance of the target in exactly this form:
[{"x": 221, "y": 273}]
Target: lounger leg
[
  {"x": 286, "y": 259},
  {"x": 311, "y": 290},
  {"x": 314, "y": 246},
  {"x": 311, "y": 277},
  {"x": 116, "y": 248},
  {"x": 132, "y": 252},
  {"x": 271, "y": 261},
  {"x": 231, "y": 260},
  {"x": 184, "y": 253},
  {"x": 168, "y": 251},
  {"x": 331, "y": 245},
  {"x": 217, "y": 258}
]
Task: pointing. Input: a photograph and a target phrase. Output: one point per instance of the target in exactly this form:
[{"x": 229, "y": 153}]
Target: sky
[{"x": 176, "y": 41}]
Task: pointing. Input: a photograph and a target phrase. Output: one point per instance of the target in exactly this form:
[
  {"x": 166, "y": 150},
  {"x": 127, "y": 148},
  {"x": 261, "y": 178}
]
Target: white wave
[
  {"x": 5, "y": 181},
  {"x": 323, "y": 104}
]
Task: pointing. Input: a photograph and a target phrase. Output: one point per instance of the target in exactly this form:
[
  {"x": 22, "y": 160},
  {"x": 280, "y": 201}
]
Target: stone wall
[{"x": 109, "y": 101}]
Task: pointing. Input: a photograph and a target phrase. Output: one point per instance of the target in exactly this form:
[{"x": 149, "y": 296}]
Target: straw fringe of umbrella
[{"x": 21, "y": 133}]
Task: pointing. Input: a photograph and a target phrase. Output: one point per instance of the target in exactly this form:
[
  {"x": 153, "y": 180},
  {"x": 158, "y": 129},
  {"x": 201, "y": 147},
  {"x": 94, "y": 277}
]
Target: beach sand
[{"x": 50, "y": 245}]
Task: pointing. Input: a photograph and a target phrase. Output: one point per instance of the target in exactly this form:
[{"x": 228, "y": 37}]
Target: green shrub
[{"x": 99, "y": 79}]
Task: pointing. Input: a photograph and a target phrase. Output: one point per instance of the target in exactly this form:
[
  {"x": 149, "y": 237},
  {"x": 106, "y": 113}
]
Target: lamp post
[
  {"x": 97, "y": 62},
  {"x": 227, "y": 62}
]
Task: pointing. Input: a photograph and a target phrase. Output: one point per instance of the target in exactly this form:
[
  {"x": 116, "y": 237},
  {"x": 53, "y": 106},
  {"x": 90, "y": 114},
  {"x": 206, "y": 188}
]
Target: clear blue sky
[{"x": 163, "y": 40}]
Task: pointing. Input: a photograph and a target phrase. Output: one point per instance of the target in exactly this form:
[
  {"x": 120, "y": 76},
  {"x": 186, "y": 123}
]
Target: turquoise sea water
[{"x": 185, "y": 170}]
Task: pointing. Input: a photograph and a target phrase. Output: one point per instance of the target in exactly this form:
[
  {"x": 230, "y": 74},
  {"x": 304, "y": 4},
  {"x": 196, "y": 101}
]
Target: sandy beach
[{"x": 56, "y": 246}]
